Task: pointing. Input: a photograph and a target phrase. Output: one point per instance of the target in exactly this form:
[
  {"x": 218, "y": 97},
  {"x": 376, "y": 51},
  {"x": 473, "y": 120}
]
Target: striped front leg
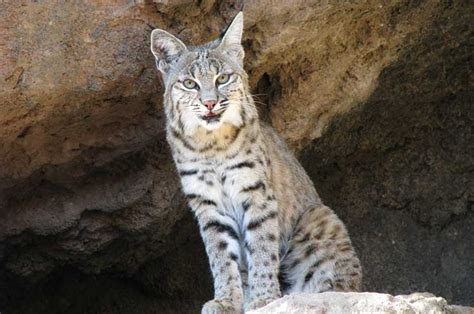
[
  {"x": 221, "y": 240},
  {"x": 261, "y": 244}
]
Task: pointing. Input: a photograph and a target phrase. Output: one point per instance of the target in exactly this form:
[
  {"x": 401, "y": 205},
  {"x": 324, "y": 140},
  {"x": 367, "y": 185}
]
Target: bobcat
[{"x": 265, "y": 229}]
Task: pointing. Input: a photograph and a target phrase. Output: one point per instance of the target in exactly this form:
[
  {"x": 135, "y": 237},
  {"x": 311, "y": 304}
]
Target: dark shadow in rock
[
  {"x": 267, "y": 92},
  {"x": 177, "y": 282},
  {"x": 399, "y": 170}
]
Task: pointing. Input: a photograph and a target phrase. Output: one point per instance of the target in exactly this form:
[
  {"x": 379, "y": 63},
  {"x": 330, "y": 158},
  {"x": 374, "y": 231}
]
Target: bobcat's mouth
[{"x": 211, "y": 117}]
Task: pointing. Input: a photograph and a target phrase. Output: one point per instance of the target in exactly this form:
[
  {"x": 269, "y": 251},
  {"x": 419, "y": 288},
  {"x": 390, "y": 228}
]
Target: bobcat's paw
[
  {"x": 221, "y": 307},
  {"x": 258, "y": 303}
]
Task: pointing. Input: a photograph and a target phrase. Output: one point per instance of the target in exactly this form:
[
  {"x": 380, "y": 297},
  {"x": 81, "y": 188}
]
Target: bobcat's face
[
  {"x": 207, "y": 91},
  {"x": 205, "y": 85}
]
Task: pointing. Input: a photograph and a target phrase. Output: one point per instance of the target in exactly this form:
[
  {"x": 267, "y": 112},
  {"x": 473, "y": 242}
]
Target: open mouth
[{"x": 211, "y": 117}]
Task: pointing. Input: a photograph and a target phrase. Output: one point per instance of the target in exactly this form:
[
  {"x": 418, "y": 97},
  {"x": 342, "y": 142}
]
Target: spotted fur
[{"x": 264, "y": 227}]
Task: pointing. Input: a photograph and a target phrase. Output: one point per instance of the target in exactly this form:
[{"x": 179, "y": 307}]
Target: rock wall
[
  {"x": 399, "y": 169},
  {"x": 375, "y": 98}
]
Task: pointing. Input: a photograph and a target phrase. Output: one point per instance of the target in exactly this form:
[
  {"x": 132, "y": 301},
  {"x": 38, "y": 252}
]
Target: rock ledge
[{"x": 366, "y": 302}]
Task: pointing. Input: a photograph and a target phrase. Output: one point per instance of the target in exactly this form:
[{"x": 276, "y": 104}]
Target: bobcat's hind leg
[{"x": 320, "y": 256}]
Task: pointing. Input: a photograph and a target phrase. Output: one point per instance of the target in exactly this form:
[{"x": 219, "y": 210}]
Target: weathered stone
[{"x": 351, "y": 302}]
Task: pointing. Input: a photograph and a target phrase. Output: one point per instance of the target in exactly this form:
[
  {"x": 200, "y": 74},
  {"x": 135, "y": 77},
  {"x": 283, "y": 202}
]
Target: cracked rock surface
[
  {"x": 351, "y": 302},
  {"x": 375, "y": 99}
]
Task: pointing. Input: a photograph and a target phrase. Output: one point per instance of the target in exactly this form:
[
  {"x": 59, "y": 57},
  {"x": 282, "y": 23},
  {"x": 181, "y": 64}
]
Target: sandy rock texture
[
  {"x": 351, "y": 302},
  {"x": 375, "y": 97}
]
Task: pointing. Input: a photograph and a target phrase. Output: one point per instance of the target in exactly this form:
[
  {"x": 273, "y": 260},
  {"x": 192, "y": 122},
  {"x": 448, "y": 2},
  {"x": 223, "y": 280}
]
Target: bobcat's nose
[{"x": 210, "y": 104}]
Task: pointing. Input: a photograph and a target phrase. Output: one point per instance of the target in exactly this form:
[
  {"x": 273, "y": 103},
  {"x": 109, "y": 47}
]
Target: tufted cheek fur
[{"x": 183, "y": 106}]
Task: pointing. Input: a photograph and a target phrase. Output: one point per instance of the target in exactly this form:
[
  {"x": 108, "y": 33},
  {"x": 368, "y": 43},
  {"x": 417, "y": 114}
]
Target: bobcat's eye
[
  {"x": 189, "y": 84},
  {"x": 223, "y": 78}
]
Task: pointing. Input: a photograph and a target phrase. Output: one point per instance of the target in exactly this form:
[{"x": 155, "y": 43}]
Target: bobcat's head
[{"x": 206, "y": 86}]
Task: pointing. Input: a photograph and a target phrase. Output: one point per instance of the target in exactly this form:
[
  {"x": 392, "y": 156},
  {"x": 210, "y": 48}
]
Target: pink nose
[{"x": 210, "y": 104}]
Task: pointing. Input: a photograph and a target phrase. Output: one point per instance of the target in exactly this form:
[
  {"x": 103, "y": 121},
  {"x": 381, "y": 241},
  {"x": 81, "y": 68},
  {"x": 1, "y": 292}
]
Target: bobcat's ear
[
  {"x": 166, "y": 48},
  {"x": 231, "y": 42}
]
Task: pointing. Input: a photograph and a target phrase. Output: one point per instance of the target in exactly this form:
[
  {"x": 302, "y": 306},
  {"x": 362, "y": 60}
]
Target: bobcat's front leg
[
  {"x": 221, "y": 240},
  {"x": 261, "y": 244}
]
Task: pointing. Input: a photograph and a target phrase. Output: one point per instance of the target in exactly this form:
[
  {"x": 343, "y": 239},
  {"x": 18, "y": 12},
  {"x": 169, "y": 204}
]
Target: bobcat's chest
[{"x": 221, "y": 182}]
